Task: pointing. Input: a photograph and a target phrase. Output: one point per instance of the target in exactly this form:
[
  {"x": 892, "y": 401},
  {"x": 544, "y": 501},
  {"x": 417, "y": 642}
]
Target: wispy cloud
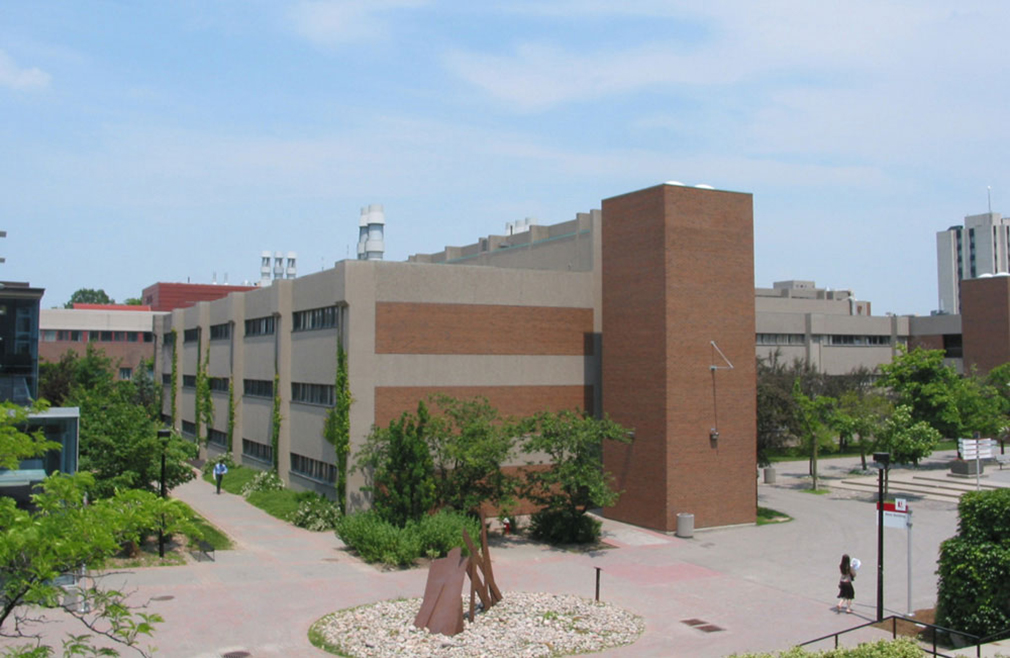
[
  {"x": 16, "y": 77},
  {"x": 330, "y": 23}
]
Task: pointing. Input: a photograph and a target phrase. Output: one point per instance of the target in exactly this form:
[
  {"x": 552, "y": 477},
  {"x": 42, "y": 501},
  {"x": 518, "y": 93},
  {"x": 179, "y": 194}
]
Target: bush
[
  {"x": 263, "y": 481},
  {"x": 315, "y": 513},
  {"x": 377, "y": 540},
  {"x": 564, "y": 527},
  {"x": 900, "y": 648},
  {"x": 208, "y": 466},
  {"x": 973, "y": 590}
]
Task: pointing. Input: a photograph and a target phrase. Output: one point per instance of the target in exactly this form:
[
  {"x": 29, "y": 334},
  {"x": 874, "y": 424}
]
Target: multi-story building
[
  {"x": 980, "y": 246},
  {"x": 168, "y": 296},
  {"x": 616, "y": 311},
  {"x": 123, "y": 332}
]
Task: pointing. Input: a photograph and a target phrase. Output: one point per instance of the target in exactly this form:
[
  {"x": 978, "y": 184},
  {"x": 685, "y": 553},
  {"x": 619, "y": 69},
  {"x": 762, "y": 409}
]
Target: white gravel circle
[{"x": 522, "y": 624}]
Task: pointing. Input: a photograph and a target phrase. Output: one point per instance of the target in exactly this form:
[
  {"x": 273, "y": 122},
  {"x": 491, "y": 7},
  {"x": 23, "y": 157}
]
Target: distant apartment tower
[
  {"x": 371, "y": 243},
  {"x": 980, "y": 246},
  {"x": 277, "y": 266}
]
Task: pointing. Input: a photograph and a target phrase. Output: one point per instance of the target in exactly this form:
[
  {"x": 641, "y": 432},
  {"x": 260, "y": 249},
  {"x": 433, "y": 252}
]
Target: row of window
[
  {"x": 259, "y": 451},
  {"x": 834, "y": 339},
  {"x": 220, "y": 331},
  {"x": 219, "y": 384},
  {"x": 259, "y": 388},
  {"x": 326, "y": 317},
  {"x": 189, "y": 381},
  {"x": 191, "y": 335},
  {"x": 317, "y": 318},
  {"x": 81, "y": 336},
  {"x": 324, "y": 394},
  {"x": 260, "y": 326},
  {"x": 313, "y": 468},
  {"x": 188, "y": 428},
  {"x": 218, "y": 438}
]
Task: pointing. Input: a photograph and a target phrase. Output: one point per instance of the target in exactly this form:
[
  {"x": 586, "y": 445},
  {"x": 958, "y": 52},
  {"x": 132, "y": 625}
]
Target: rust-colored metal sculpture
[{"x": 441, "y": 610}]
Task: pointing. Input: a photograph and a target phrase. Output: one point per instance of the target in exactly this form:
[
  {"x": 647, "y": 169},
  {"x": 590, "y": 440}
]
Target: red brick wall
[
  {"x": 985, "y": 322},
  {"x": 678, "y": 273},
  {"x": 926, "y": 342},
  {"x": 123, "y": 354},
  {"x": 415, "y": 328},
  {"x": 169, "y": 296},
  {"x": 391, "y": 401}
]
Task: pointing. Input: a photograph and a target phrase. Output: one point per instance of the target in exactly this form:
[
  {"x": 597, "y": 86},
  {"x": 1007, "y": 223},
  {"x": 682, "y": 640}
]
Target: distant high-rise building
[
  {"x": 371, "y": 244},
  {"x": 980, "y": 246},
  {"x": 282, "y": 267}
]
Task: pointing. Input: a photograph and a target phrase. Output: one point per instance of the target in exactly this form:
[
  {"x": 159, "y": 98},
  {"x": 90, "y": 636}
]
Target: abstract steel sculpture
[{"x": 442, "y": 610}]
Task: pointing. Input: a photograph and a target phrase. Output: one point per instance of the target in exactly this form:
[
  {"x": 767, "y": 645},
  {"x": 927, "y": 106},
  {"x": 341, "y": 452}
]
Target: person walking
[
  {"x": 846, "y": 592},
  {"x": 219, "y": 470}
]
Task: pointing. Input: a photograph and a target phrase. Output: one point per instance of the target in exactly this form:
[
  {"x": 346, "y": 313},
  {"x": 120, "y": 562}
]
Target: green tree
[
  {"x": 89, "y": 296},
  {"x": 980, "y": 406},
  {"x": 469, "y": 442},
  {"x": 119, "y": 443},
  {"x": 907, "y": 439},
  {"x": 56, "y": 378},
  {"x": 204, "y": 399},
  {"x": 337, "y": 428},
  {"x": 776, "y": 407},
  {"x": 403, "y": 486},
  {"x": 147, "y": 393},
  {"x": 814, "y": 415},
  {"x": 17, "y": 444},
  {"x": 134, "y": 301},
  {"x": 573, "y": 480},
  {"x": 857, "y": 417},
  {"x": 919, "y": 380},
  {"x": 62, "y": 535}
]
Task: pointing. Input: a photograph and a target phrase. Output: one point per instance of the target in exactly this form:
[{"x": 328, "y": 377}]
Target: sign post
[
  {"x": 898, "y": 515},
  {"x": 977, "y": 449}
]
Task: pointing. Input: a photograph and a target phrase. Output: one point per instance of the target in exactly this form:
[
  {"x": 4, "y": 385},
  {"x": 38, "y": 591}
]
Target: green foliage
[
  {"x": 573, "y": 480},
  {"x": 15, "y": 443},
  {"x": 62, "y": 534},
  {"x": 238, "y": 477},
  {"x": 315, "y": 513},
  {"x": 920, "y": 380},
  {"x": 146, "y": 393},
  {"x": 204, "y": 403},
  {"x": 856, "y": 419},
  {"x": 899, "y": 648},
  {"x": 263, "y": 481},
  {"x": 279, "y": 503},
  {"x": 275, "y": 423},
  {"x": 776, "y": 407},
  {"x": 908, "y": 441},
  {"x": 469, "y": 442},
  {"x": 403, "y": 486},
  {"x": 973, "y": 590},
  {"x": 342, "y": 425},
  {"x": 980, "y": 405},
  {"x": 89, "y": 296},
  {"x": 175, "y": 376},
  {"x": 377, "y": 540},
  {"x": 231, "y": 415},
  {"x": 119, "y": 442},
  {"x": 813, "y": 422}
]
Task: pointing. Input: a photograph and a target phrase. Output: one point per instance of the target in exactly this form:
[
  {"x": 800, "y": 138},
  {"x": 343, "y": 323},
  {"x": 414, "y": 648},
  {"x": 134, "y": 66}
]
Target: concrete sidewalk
[{"x": 765, "y": 588}]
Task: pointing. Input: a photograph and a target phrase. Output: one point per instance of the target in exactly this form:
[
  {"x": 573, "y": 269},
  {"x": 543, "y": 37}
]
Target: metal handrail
[{"x": 976, "y": 640}]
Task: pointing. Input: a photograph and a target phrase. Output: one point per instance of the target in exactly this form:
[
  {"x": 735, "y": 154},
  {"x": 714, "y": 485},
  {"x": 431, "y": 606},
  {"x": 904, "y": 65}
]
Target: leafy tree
[
  {"x": 776, "y": 407},
  {"x": 856, "y": 419},
  {"x": 573, "y": 480},
  {"x": 931, "y": 390},
  {"x": 134, "y": 301},
  {"x": 814, "y": 416},
  {"x": 469, "y": 442},
  {"x": 15, "y": 443},
  {"x": 907, "y": 439},
  {"x": 59, "y": 537},
  {"x": 147, "y": 394},
  {"x": 56, "y": 378},
  {"x": 403, "y": 486},
  {"x": 89, "y": 296},
  {"x": 119, "y": 443},
  {"x": 980, "y": 406}
]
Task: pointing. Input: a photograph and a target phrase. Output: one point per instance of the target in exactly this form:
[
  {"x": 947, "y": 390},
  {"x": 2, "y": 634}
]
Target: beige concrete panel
[
  {"x": 934, "y": 325},
  {"x": 96, "y": 320},
  {"x": 780, "y": 323},
  {"x": 262, "y": 301},
  {"x": 852, "y": 325},
  {"x": 787, "y": 353},
  {"x": 314, "y": 356},
  {"x": 220, "y": 358},
  {"x": 359, "y": 321},
  {"x": 482, "y": 370},
  {"x": 220, "y": 402},
  {"x": 410, "y": 282},
  {"x": 306, "y": 424},
  {"x": 258, "y": 357},
  {"x": 793, "y": 305},
  {"x": 257, "y": 414},
  {"x": 843, "y": 359},
  {"x": 187, "y": 405},
  {"x": 319, "y": 289},
  {"x": 187, "y": 357}
]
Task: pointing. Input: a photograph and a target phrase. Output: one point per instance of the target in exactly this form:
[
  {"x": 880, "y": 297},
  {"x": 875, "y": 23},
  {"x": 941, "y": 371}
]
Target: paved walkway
[{"x": 766, "y": 587}]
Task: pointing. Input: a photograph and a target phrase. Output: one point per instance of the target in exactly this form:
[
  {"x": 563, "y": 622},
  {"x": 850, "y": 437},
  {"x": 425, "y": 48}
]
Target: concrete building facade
[
  {"x": 124, "y": 333},
  {"x": 520, "y": 320}
]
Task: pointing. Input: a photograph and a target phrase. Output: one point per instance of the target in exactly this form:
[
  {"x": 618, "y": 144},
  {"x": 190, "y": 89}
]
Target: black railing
[{"x": 971, "y": 639}]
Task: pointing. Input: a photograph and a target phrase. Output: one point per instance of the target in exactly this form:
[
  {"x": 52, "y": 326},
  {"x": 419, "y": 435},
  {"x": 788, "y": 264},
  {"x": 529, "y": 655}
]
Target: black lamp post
[
  {"x": 163, "y": 436},
  {"x": 883, "y": 460}
]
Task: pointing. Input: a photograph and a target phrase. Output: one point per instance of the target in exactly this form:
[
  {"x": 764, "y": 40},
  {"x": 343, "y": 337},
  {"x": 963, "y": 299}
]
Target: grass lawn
[
  {"x": 279, "y": 504},
  {"x": 235, "y": 479},
  {"x": 767, "y": 515}
]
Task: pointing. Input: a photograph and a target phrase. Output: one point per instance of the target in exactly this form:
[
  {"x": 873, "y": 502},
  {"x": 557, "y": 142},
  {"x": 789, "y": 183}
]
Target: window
[
  {"x": 189, "y": 381},
  {"x": 317, "y": 318},
  {"x": 166, "y": 378},
  {"x": 106, "y": 336},
  {"x": 188, "y": 428},
  {"x": 69, "y": 335},
  {"x": 219, "y": 384},
  {"x": 148, "y": 337},
  {"x": 169, "y": 338},
  {"x": 125, "y": 373},
  {"x": 258, "y": 451},
  {"x": 259, "y": 326},
  {"x": 313, "y": 469},
  {"x": 218, "y": 438},
  {"x": 780, "y": 339},
  {"x": 258, "y": 388},
  {"x": 132, "y": 337},
  {"x": 859, "y": 341},
  {"x": 48, "y": 335},
  {"x": 220, "y": 331},
  {"x": 92, "y": 336},
  {"x": 323, "y": 394},
  {"x": 191, "y": 335}
]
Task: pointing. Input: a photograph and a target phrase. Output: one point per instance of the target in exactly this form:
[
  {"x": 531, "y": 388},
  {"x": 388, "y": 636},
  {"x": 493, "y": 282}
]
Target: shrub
[
  {"x": 315, "y": 513},
  {"x": 900, "y": 648},
  {"x": 263, "y": 481},
  {"x": 563, "y": 526},
  {"x": 440, "y": 533},
  {"x": 208, "y": 466},
  {"x": 973, "y": 590}
]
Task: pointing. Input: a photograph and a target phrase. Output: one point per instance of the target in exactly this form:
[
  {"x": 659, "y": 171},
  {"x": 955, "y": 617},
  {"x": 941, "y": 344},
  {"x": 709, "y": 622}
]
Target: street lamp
[
  {"x": 883, "y": 460},
  {"x": 163, "y": 436}
]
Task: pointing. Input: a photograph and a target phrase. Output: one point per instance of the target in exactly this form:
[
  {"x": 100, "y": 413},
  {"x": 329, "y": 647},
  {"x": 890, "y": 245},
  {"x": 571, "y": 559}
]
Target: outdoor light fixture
[
  {"x": 883, "y": 460},
  {"x": 713, "y": 434}
]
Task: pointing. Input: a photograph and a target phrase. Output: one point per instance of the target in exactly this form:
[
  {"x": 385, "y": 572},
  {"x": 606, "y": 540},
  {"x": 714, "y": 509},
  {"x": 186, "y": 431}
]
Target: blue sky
[{"x": 166, "y": 141}]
